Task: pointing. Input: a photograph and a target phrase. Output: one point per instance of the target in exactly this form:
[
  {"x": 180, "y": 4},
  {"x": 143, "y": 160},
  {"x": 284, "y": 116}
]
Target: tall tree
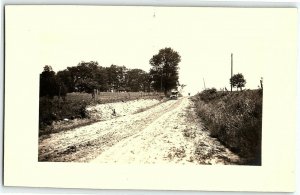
[
  {"x": 117, "y": 76},
  {"x": 101, "y": 77},
  {"x": 238, "y": 81},
  {"x": 65, "y": 78},
  {"x": 48, "y": 82},
  {"x": 146, "y": 81},
  {"x": 164, "y": 71}
]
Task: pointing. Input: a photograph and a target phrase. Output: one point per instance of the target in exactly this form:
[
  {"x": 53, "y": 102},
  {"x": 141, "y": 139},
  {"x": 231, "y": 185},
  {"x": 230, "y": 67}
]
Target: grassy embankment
[
  {"x": 74, "y": 107},
  {"x": 235, "y": 118}
]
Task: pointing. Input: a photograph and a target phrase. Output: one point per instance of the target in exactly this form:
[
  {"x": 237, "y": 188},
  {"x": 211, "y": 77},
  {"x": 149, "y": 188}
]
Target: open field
[{"x": 109, "y": 97}]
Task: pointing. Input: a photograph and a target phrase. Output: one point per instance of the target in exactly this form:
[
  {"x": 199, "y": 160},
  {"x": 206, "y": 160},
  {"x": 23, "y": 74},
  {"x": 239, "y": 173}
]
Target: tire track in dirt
[
  {"x": 176, "y": 136},
  {"x": 170, "y": 132}
]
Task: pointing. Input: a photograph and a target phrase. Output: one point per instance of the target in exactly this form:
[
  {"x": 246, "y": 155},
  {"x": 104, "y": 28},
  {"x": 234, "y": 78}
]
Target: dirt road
[{"x": 167, "y": 133}]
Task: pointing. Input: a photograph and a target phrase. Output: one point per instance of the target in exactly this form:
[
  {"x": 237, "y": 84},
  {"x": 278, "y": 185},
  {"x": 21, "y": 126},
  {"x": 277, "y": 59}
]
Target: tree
[
  {"x": 82, "y": 74},
  {"x": 182, "y": 86},
  {"x": 101, "y": 77},
  {"x": 116, "y": 76},
  {"x": 48, "y": 83},
  {"x": 145, "y": 80},
  {"x": 86, "y": 85},
  {"x": 64, "y": 77},
  {"x": 164, "y": 71},
  {"x": 137, "y": 80},
  {"x": 238, "y": 81}
]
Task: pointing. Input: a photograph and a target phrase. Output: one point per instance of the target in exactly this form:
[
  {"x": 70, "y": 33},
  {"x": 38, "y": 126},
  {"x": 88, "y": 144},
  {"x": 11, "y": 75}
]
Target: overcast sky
[{"x": 130, "y": 36}]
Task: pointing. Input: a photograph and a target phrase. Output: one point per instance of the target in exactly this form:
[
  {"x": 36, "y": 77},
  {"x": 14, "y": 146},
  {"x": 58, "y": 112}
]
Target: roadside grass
[
  {"x": 235, "y": 118},
  {"x": 71, "y": 112}
]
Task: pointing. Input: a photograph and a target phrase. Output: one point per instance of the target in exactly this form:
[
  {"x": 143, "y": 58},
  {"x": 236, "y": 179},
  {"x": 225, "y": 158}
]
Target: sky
[{"x": 130, "y": 36}]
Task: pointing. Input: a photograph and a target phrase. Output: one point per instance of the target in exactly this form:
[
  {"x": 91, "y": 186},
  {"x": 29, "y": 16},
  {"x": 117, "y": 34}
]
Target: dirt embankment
[
  {"x": 101, "y": 112},
  {"x": 113, "y": 110},
  {"x": 169, "y": 132}
]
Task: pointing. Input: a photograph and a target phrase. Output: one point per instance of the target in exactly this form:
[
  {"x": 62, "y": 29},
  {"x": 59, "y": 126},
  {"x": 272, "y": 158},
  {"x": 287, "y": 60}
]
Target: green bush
[
  {"x": 52, "y": 110},
  {"x": 236, "y": 120},
  {"x": 210, "y": 94}
]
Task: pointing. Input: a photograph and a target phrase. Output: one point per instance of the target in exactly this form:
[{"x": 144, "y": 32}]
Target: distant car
[{"x": 174, "y": 95}]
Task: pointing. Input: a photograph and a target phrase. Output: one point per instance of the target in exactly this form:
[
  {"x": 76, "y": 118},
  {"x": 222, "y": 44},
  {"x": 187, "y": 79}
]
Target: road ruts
[{"x": 167, "y": 133}]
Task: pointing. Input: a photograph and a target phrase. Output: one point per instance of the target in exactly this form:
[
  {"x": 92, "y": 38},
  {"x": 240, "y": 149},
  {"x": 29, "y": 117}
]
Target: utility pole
[
  {"x": 204, "y": 83},
  {"x": 231, "y": 71}
]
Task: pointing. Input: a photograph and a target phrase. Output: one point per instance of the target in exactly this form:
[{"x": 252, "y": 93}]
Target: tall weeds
[{"x": 235, "y": 118}]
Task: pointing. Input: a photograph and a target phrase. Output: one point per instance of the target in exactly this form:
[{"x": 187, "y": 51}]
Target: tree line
[{"x": 88, "y": 76}]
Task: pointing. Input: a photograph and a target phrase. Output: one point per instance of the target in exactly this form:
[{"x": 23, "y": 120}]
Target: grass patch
[{"x": 235, "y": 118}]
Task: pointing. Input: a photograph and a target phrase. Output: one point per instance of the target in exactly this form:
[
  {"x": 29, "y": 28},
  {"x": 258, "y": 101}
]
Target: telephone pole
[
  {"x": 231, "y": 71},
  {"x": 204, "y": 83}
]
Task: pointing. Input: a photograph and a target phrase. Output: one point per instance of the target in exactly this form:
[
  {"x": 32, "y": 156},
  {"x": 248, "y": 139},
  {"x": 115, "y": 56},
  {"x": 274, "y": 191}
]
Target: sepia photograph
[
  {"x": 151, "y": 86},
  {"x": 150, "y": 97}
]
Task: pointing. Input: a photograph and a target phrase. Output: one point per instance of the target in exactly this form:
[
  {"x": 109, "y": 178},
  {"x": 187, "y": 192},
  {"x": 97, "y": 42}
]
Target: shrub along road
[{"x": 167, "y": 133}]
